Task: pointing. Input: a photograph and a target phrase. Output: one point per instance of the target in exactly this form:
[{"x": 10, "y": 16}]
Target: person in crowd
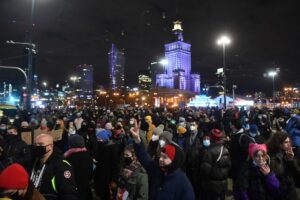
[
  {"x": 148, "y": 120},
  {"x": 284, "y": 164},
  {"x": 78, "y": 121},
  {"x": 153, "y": 147},
  {"x": 193, "y": 144},
  {"x": 215, "y": 167},
  {"x": 82, "y": 164},
  {"x": 15, "y": 185},
  {"x": 168, "y": 180},
  {"x": 17, "y": 150},
  {"x": 52, "y": 175},
  {"x": 132, "y": 183},
  {"x": 107, "y": 165},
  {"x": 180, "y": 137},
  {"x": 258, "y": 182}
]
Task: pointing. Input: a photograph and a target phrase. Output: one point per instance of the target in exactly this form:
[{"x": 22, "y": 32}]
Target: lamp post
[
  {"x": 162, "y": 62},
  {"x": 45, "y": 85},
  {"x": 273, "y": 74},
  {"x": 223, "y": 41}
]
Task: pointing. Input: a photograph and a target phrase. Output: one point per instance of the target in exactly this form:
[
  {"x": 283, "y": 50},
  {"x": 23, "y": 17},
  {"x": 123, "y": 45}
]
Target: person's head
[
  {"x": 24, "y": 124},
  {"x": 157, "y": 132},
  {"x": 148, "y": 119},
  {"x": 253, "y": 130},
  {"x": 129, "y": 155},
  {"x": 235, "y": 125},
  {"x": 14, "y": 181},
  {"x": 167, "y": 155},
  {"x": 76, "y": 141},
  {"x": 206, "y": 141},
  {"x": 165, "y": 138},
  {"x": 43, "y": 146},
  {"x": 193, "y": 126},
  {"x": 12, "y": 131},
  {"x": 216, "y": 135},
  {"x": 181, "y": 130},
  {"x": 258, "y": 153},
  {"x": 108, "y": 126},
  {"x": 280, "y": 142}
]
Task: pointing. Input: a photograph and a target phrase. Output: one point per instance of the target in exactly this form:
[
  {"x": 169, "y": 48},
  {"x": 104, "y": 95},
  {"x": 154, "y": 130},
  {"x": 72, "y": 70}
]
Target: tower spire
[{"x": 178, "y": 30}]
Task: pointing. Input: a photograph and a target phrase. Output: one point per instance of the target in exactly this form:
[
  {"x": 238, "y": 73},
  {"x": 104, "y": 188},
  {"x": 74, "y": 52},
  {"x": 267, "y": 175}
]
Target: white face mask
[
  {"x": 154, "y": 138},
  {"x": 72, "y": 132},
  {"x": 162, "y": 143},
  {"x": 131, "y": 122},
  {"x": 193, "y": 128}
]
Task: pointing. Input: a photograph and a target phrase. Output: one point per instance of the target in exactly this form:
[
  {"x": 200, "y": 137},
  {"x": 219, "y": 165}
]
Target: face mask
[
  {"x": 2, "y": 128},
  {"x": 252, "y": 134},
  {"x": 72, "y": 132},
  {"x": 127, "y": 160},
  {"x": 193, "y": 128},
  {"x": 162, "y": 143},
  {"x": 154, "y": 138},
  {"x": 206, "y": 143},
  {"x": 131, "y": 122},
  {"x": 39, "y": 151}
]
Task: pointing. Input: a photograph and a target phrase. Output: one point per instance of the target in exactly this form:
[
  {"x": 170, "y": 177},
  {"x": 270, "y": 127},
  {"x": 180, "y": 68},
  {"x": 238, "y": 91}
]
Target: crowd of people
[{"x": 149, "y": 153}]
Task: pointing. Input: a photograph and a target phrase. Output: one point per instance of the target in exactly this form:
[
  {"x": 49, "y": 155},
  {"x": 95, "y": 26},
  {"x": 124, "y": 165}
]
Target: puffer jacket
[{"x": 215, "y": 168}]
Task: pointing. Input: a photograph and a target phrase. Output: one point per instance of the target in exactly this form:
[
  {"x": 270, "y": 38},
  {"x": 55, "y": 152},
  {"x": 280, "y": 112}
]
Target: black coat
[
  {"x": 286, "y": 171},
  {"x": 82, "y": 164},
  {"x": 107, "y": 169},
  {"x": 18, "y": 151},
  {"x": 57, "y": 181},
  {"x": 215, "y": 172}
]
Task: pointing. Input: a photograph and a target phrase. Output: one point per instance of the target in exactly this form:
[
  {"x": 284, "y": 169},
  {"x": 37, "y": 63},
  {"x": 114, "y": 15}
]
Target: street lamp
[
  {"x": 273, "y": 74},
  {"x": 74, "y": 79},
  {"x": 223, "y": 41},
  {"x": 45, "y": 85}
]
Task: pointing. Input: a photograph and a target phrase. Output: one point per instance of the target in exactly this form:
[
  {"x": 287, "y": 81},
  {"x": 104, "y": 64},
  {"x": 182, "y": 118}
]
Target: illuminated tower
[
  {"x": 116, "y": 60},
  {"x": 178, "y": 68}
]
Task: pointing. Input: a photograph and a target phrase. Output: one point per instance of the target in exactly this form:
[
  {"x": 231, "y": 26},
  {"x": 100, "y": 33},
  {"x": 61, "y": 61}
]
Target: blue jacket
[
  {"x": 173, "y": 186},
  {"x": 292, "y": 128}
]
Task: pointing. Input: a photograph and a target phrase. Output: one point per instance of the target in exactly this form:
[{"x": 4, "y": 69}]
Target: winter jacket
[
  {"x": 136, "y": 184},
  {"x": 257, "y": 186},
  {"x": 215, "y": 168},
  {"x": 82, "y": 164},
  {"x": 18, "y": 151},
  {"x": 171, "y": 186},
  {"x": 57, "y": 180},
  {"x": 286, "y": 171}
]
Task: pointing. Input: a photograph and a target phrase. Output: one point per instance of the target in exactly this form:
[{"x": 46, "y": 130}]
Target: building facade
[
  {"x": 84, "y": 82},
  {"x": 177, "y": 70},
  {"x": 145, "y": 81},
  {"x": 116, "y": 61}
]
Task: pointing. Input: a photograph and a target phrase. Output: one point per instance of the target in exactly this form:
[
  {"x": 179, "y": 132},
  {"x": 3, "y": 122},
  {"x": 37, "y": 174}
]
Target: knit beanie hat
[
  {"x": 108, "y": 126},
  {"x": 158, "y": 130},
  {"x": 76, "y": 141},
  {"x": 181, "y": 130},
  {"x": 167, "y": 136},
  {"x": 148, "y": 118},
  {"x": 170, "y": 150},
  {"x": 14, "y": 177},
  {"x": 216, "y": 135},
  {"x": 253, "y": 129},
  {"x": 256, "y": 147}
]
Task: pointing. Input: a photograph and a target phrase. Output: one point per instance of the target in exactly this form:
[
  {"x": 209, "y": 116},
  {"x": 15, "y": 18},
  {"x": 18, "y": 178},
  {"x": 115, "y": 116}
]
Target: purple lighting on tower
[{"x": 178, "y": 68}]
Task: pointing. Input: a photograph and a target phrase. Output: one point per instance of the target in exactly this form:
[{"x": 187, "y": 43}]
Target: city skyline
[{"x": 263, "y": 33}]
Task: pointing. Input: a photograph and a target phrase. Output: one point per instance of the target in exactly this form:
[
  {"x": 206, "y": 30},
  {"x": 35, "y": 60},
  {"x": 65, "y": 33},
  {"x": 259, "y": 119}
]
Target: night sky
[{"x": 264, "y": 34}]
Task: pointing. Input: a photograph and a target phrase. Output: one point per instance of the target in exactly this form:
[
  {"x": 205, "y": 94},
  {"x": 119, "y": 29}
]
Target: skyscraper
[
  {"x": 177, "y": 73},
  {"x": 144, "y": 81},
  {"x": 116, "y": 61},
  {"x": 85, "y": 80}
]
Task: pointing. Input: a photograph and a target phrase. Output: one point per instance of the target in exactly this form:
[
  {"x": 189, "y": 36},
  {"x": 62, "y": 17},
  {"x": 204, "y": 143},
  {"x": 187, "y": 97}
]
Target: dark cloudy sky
[{"x": 265, "y": 35}]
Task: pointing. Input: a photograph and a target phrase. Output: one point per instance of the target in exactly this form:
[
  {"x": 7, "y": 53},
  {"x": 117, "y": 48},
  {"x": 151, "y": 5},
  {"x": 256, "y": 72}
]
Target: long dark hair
[{"x": 277, "y": 139}]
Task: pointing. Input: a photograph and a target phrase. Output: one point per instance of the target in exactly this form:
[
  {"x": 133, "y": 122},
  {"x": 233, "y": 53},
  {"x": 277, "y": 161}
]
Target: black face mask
[
  {"x": 127, "y": 160},
  {"x": 39, "y": 151}
]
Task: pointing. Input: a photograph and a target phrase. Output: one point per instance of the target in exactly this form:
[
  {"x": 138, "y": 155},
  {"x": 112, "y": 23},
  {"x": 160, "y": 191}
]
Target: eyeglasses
[{"x": 10, "y": 132}]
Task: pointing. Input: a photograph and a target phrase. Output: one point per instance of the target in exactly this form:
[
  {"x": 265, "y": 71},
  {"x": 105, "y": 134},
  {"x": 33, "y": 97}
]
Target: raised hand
[
  {"x": 135, "y": 132},
  {"x": 265, "y": 169}
]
